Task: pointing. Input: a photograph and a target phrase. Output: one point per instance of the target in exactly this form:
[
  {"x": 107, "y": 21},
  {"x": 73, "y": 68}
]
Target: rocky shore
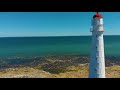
[{"x": 53, "y": 66}]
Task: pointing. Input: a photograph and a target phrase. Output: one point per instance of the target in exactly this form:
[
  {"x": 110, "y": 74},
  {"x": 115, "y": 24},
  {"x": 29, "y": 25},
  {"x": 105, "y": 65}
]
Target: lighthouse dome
[{"x": 97, "y": 15}]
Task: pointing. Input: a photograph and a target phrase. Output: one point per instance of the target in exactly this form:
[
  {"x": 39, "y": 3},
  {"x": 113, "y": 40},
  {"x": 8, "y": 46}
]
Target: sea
[
  {"x": 71, "y": 45},
  {"x": 56, "y": 45}
]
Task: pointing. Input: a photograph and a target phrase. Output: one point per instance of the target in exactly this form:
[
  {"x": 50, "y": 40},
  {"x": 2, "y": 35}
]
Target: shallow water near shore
[{"x": 16, "y": 50}]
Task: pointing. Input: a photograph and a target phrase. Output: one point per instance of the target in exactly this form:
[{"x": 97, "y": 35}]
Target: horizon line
[{"x": 55, "y": 36}]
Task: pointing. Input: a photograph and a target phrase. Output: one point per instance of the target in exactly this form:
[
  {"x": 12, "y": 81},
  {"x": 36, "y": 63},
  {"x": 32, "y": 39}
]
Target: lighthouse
[{"x": 97, "y": 58}]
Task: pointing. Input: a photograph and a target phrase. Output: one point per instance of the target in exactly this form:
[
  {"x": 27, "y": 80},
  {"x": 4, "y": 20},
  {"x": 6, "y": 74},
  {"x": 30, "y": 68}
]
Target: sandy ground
[
  {"x": 67, "y": 66},
  {"x": 79, "y": 71}
]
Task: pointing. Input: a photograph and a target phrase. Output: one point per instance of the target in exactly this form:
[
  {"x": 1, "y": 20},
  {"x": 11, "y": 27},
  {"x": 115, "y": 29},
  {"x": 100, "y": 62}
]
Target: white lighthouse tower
[{"x": 97, "y": 59}]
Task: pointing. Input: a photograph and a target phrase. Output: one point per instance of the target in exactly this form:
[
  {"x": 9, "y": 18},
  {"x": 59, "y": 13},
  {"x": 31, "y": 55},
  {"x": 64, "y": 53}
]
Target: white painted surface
[{"x": 97, "y": 59}]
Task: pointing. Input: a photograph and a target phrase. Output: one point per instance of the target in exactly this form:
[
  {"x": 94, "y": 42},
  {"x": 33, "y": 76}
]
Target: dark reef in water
[{"x": 51, "y": 63}]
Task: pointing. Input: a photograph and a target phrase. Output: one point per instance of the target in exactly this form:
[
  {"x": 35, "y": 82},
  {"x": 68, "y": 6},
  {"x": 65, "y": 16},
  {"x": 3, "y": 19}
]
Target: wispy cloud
[
  {"x": 1, "y": 32},
  {"x": 4, "y": 33}
]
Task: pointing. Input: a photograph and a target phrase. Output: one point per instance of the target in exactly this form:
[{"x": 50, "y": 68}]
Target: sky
[{"x": 20, "y": 24}]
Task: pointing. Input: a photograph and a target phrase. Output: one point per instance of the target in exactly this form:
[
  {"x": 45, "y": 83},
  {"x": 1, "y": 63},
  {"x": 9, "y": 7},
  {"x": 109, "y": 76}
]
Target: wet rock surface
[{"x": 48, "y": 64}]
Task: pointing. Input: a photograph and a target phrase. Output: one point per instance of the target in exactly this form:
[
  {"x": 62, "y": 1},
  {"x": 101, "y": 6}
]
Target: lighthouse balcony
[
  {"x": 100, "y": 30},
  {"x": 100, "y": 24}
]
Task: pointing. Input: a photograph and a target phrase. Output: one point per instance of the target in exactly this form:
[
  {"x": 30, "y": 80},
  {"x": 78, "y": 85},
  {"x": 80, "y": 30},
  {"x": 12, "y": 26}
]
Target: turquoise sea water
[{"x": 71, "y": 45}]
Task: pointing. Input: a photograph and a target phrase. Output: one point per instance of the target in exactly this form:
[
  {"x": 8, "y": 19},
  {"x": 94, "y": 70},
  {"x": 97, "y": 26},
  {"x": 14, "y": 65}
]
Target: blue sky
[{"x": 13, "y": 24}]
